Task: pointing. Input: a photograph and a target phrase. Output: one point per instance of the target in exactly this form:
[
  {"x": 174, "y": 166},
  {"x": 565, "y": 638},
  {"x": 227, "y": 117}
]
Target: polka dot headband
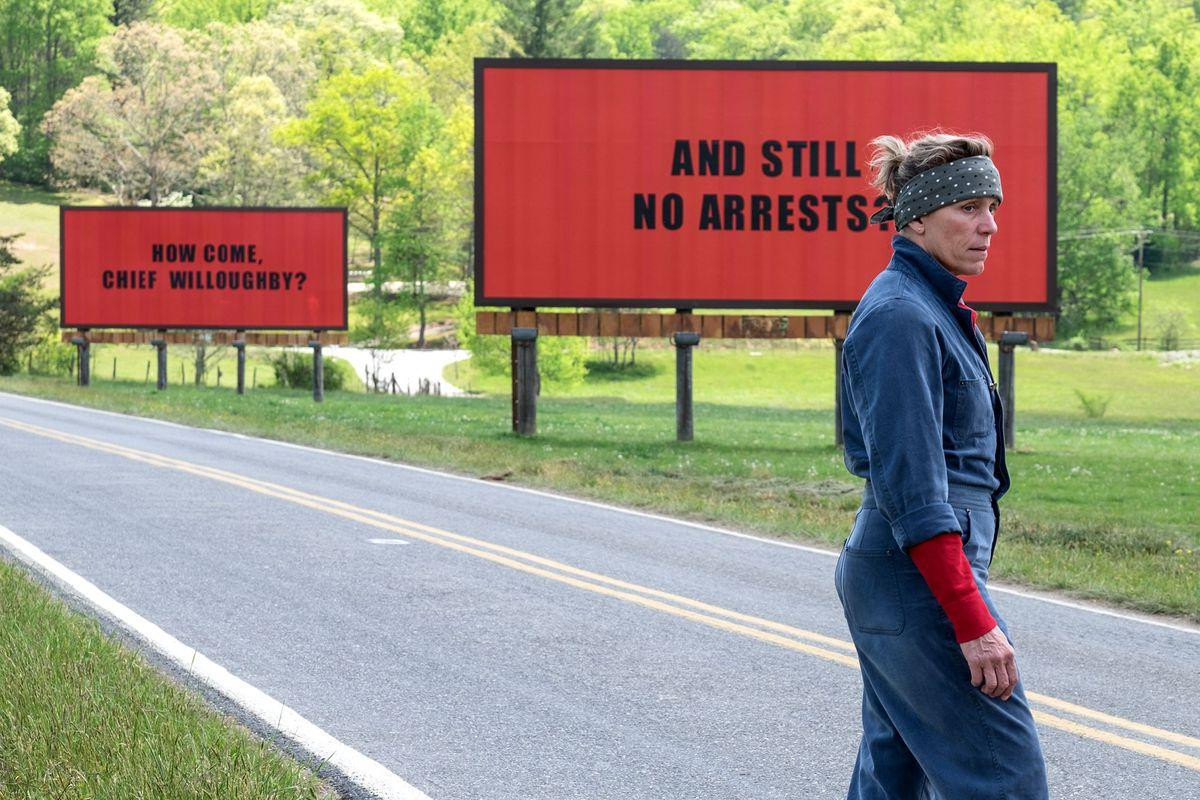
[{"x": 974, "y": 176}]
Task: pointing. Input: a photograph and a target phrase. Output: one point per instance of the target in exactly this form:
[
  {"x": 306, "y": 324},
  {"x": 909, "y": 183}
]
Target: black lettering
[
  {"x": 854, "y": 207},
  {"x": 222, "y": 279},
  {"x": 814, "y": 159},
  {"x": 710, "y": 213},
  {"x": 760, "y": 212},
  {"x": 672, "y": 211},
  {"x": 156, "y": 252},
  {"x": 851, "y": 169},
  {"x": 785, "y": 213},
  {"x": 260, "y": 280},
  {"x": 273, "y": 281},
  {"x": 177, "y": 279},
  {"x": 810, "y": 220},
  {"x": 122, "y": 279},
  {"x": 772, "y": 166},
  {"x": 251, "y": 257},
  {"x": 209, "y": 253},
  {"x": 735, "y": 205},
  {"x": 106, "y": 279},
  {"x": 709, "y": 157},
  {"x": 681, "y": 161},
  {"x": 832, "y": 201},
  {"x": 831, "y": 170},
  {"x": 735, "y": 157},
  {"x": 643, "y": 212},
  {"x": 287, "y": 280},
  {"x": 797, "y": 149},
  {"x": 247, "y": 280},
  {"x": 237, "y": 254}
]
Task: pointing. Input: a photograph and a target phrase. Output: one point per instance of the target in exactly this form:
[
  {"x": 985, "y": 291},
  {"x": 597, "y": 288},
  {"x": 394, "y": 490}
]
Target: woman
[{"x": 944, "y": 713}]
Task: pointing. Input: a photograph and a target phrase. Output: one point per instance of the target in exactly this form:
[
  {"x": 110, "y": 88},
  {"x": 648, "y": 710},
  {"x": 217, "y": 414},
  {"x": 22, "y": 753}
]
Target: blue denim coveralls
[{"x": 922, "y": 421}]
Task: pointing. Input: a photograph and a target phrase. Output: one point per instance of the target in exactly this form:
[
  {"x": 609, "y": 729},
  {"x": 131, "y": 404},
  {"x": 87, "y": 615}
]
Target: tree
[
  {"x": 23, "y": 307},
  {"x": 10, "y": 129},
  {"x": 363, "y": 131},
  {"x": 140, "y": 129},
  {"x": 550, "y": 28},
  {"x": 46, "y": 48},
  {"x": 338, "y": 36},
  {"x": 245, "y": 165}
]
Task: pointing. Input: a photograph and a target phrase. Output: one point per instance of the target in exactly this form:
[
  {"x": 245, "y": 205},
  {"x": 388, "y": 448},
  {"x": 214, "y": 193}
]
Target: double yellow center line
[{"x": 764, "y": 630}]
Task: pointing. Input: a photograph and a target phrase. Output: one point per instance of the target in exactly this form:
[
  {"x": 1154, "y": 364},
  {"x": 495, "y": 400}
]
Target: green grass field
[
  {"x": 82, "y": 717},
  {"x": 1178, "y": 289}
]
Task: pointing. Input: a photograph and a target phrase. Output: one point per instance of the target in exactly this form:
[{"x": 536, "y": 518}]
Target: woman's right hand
[{"x": 993, "y": 663}]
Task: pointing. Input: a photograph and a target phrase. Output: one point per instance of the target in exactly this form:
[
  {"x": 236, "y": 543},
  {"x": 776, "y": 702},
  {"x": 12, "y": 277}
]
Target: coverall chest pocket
[{"x": 973, "y": 408}]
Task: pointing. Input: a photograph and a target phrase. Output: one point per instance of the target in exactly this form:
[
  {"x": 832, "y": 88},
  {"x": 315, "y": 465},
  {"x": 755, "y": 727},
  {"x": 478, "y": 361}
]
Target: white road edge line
[
  {"x": 388, "y": 541},
  {"x": 366, "y": 772},
  {"x": 998, "y": 587}
]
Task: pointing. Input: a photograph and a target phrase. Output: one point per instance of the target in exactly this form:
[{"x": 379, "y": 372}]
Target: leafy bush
[
  {"x": 606, "y": 370},
  {"x": 1094, "y": 405},
  {"x": 23, "y": 306},
  {"x": 295, "y": 369},
  {"x": 50, "y": 355},
  {"x": 1170, "y": 325},
  {"x": 560, "y": 358}
]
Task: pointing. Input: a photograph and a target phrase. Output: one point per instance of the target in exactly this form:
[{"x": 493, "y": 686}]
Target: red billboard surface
[
  {"x": 737, "y": 184},
  {"x": 236, "y": 268}
]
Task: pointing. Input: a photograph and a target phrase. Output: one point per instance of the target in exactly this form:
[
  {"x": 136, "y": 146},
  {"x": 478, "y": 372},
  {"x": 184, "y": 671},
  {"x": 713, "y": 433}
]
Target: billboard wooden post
[
  {"x": 1008, "y": 342},
  {"x": 160, "y": 344},
  {"x": 239, "y": 343},
  {"x": 318, "y": 368},
  {"x": 684, "y": 341},
  {"x": 525, "y": 341},
  {"x": 838, "y": 438},
  {"x": 83, "y": 352}
]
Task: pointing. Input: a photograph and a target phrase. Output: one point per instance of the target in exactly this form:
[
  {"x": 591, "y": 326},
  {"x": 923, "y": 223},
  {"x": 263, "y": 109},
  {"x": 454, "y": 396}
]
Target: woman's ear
[{"x": 917, "y": 226}]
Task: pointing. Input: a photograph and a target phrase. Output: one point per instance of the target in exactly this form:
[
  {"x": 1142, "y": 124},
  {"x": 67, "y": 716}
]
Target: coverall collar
[{"x": 908, "y": 254}]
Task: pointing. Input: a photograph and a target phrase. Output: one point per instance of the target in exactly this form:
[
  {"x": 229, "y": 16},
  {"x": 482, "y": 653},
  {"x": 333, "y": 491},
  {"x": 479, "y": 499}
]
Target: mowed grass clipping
[
  {"x": 1103, "y": 508},
  {"x": 82, "y": 717}
]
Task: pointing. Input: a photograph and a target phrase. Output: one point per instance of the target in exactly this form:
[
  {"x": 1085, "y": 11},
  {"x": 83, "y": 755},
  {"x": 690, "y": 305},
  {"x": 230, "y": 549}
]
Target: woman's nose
[{"x": 988, "y": 223}]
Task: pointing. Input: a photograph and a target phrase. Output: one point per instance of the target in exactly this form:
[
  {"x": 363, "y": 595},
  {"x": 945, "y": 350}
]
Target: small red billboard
[
  {"x": 233, "y": 268},
  {"x": 705, "y": 184}
]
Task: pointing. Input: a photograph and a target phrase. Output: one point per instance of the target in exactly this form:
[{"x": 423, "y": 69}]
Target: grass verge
[
  {"x": 82, "y": 717},
  {"x": 1101, "y": 508}
]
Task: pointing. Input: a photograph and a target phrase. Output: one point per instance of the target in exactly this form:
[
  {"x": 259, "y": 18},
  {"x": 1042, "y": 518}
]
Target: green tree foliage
[
  {"x": 551, "y": 28},
  {"x": 561, "y": 359},
  {"x": 363, "y": 131},
  {"x": 10, "y": 129},
  {"x": 140, "y": 129},
  {"x": 337, "y": 36},
  {"x": 199, "y": 13},
  {"x": 46, "y": 47},
  {"x": 23, "y": 306}
]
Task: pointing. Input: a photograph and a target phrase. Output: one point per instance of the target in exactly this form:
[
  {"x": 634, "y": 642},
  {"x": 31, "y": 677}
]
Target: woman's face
[{"x": 957, "y": 235}]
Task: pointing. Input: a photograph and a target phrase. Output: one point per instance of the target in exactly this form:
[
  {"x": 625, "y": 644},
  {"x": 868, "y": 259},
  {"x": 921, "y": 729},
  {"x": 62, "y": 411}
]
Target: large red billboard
[
  {"x": 237, "y": 268},
  {"x": 737, "y": 184}
]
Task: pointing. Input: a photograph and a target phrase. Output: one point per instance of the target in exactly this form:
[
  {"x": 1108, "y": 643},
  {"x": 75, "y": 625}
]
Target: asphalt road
[{"x": 521, "y": 645}]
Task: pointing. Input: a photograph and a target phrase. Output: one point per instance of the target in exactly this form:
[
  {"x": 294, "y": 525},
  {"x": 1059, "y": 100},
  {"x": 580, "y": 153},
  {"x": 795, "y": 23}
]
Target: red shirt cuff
[{"x": 944, "y": 566}]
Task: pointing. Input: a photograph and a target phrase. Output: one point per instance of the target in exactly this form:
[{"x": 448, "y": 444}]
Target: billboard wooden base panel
[
  {"x": 718, "y": 326},
  {"x": 252, "y": 338}
]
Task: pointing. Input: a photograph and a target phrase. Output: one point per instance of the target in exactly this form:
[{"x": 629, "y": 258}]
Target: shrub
[
  {"x": 23, "y": 307},
  {"x": 1170, "y": 324},
  {"x": 1094, "y": 405},
  {"x": 294, "y": 369}
]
